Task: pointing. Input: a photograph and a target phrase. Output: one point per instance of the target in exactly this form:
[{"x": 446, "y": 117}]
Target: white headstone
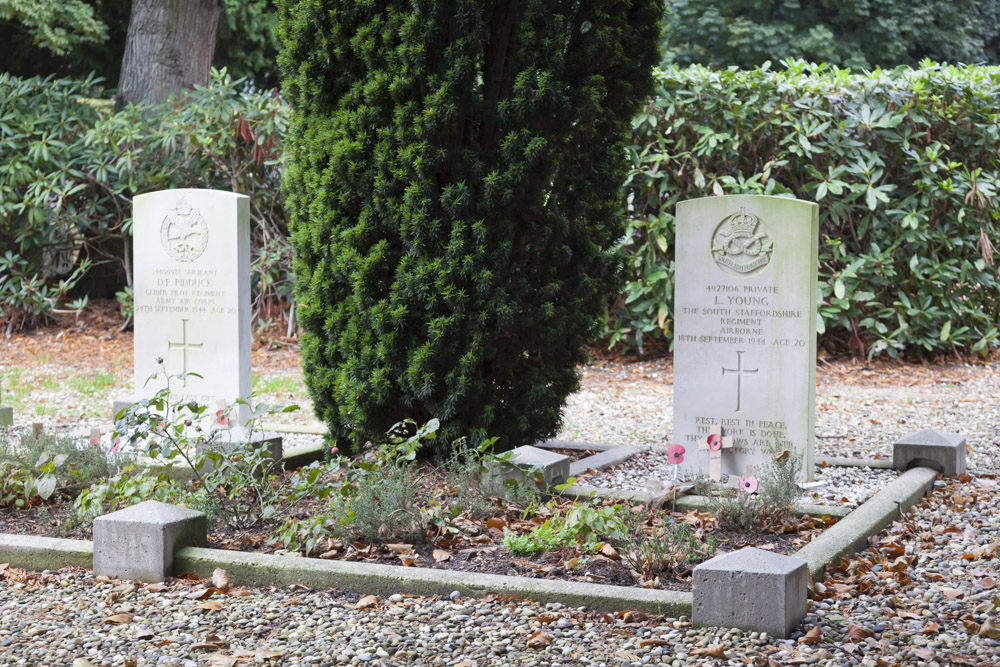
[
  {"x": 192, "y": 295},
  {"x": 745, "y": 329}
]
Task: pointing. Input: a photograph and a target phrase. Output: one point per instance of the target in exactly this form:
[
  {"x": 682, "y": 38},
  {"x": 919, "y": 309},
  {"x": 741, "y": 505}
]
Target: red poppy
[
  {"x": 715, "y": 442},
  {"x": 675, "y": 453},
  {"x": 221, "y": 418},
  {"x": 748, "y": 484}
]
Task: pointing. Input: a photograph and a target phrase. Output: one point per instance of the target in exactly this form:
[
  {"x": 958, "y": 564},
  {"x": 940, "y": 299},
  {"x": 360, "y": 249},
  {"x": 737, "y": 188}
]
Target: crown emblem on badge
[{"x": 743, "y": 222}]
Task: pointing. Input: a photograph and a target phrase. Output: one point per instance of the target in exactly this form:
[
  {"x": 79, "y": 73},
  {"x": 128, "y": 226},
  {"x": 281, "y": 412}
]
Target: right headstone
[{"x": 745, "y": 330}]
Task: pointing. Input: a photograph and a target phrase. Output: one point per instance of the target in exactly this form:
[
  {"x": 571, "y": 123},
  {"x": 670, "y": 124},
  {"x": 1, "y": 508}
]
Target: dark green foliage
[
  {"x": 70, "y": 169},
  {"x": 905, "y": 166},
  {"x": 53, "y": 26},
  {"x": 246, "y": 45},
  {"x": 851, "y": 33},
  {"x": 453, "y": 187}
]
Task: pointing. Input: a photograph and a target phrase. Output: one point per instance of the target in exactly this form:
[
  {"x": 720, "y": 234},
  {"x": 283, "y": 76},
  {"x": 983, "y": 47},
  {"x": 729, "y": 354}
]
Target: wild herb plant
[
  {"x": 655, "y": 543},
  {"x": 773, "y": 502}
]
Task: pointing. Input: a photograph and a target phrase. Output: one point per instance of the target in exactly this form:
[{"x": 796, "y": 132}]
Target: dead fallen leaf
[
  {"x": 924, "y": 653},
  {"x": 119, "y": 619},
  {"x": 210, "y": 605},
  {"x": 211, "y": 642},
  {"x": 713, "y": 651},
  {"x": 400, "y": 548},
  {"x": 609, "y": 551},
  {"x": 547, "y": 617},
  {"x": 220, "y": 579},
  {"x": 539, "y": 640},
  {"x": 986, "y": 583},
  {"x": 261, "y": 653},
  {"x": 496, "y": 523},
  {"x": 953, "y": 593},
  {"x": 858, "y": 633},
  {"x": 367, "y": 602},
  {"x": 201, "y": 593},
  {"x": 653, "y": 642},
  {"x": 930, "y": 628},
  {"x": 987, "y": 629},
  {"x": 143, "y": 633},
  {"x": 441, "y": 556},
  {"x": 220, "y": 660},
  {"x": 811, "y": 637},
  {"x": 155, "y": 587}
]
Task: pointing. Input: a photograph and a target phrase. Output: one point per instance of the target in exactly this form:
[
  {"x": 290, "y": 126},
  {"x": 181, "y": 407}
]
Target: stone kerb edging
[
  {"x": 31, "y": 552},
  {"x": 374, "y": 578},
  {"x": 850, "y": 533}
]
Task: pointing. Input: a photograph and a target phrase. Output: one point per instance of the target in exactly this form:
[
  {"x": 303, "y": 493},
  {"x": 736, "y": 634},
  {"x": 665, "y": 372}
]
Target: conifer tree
[{"x": 454, "y": 183}]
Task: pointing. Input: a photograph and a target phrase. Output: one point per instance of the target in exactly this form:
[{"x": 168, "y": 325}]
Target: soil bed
[{"x": 468, "y": 543}]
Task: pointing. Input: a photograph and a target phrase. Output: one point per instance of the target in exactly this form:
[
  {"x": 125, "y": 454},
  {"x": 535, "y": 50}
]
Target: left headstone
[{"x": 192, "y": 295}]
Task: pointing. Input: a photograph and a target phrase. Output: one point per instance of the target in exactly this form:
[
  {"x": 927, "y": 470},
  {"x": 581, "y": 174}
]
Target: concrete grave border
[{"x": 843, "y": 538}]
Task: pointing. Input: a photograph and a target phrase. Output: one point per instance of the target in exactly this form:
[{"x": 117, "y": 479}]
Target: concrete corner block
[
  {"x": 930, "y": 448},
  {"x": 751, "y": 589},
  {"x": 6, "y": 416},
  {"x": 554, "y": 468},
  {"x": 139, "y": 542}
]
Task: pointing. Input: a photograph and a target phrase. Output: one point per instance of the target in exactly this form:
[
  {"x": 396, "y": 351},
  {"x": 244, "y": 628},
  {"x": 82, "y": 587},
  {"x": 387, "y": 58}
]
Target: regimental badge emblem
[
  {"x": 183, "y": 233},
  {"x": 741, "y": 244}
]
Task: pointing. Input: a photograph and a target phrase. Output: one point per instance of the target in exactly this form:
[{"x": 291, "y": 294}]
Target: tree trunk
[{"x": 169, "y": 48}]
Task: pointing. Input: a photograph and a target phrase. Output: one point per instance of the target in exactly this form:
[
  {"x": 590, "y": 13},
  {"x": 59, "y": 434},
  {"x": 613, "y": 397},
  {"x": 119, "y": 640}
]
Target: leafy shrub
[
  {"x": 904, "y": 165},
  {"x": 71, "y": 167},
  {"x": 584, "y": 525},
  {"x": 453, "y": 187},
  {"x": 132, "y": 486},
  {"x": 239, "y": 478}
]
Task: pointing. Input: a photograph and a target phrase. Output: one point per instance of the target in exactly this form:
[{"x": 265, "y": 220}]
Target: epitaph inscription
[{"x": 744, "y": 327}]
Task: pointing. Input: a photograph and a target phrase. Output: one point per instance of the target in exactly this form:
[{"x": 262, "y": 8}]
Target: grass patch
[
  {"x": 279, "y": 384},
  {"x": 92, "y": 384}
]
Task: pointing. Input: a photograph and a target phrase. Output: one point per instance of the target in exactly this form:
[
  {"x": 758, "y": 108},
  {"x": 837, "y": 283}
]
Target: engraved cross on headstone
[
  {"x": 184, "y": 346},
  {"x": 739, "y": 372}
]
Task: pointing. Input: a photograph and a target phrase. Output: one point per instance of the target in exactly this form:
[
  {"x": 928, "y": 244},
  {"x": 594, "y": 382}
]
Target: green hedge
[
  {"x": 904, "y": 165},
  {"x": 69, "y": 169}
]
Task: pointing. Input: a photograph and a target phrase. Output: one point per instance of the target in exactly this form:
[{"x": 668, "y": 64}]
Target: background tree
[
  {"x": 852, "y": 33},
  {"x": 454, "y": 183},
  {"x": 169, "y": 48}
]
